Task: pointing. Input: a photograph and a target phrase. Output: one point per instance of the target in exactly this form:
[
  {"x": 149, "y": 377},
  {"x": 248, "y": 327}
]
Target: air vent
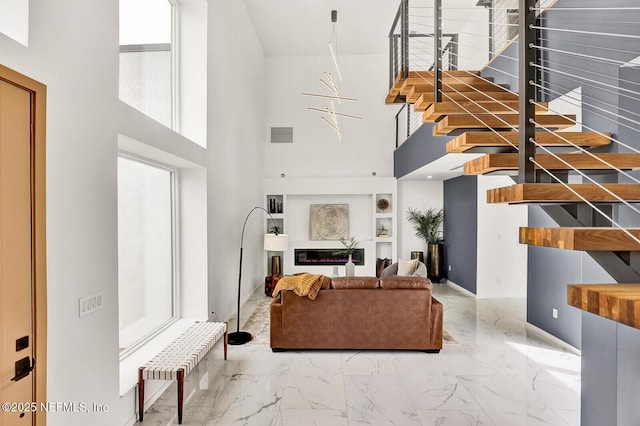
[{"x": 282, "y": 135}]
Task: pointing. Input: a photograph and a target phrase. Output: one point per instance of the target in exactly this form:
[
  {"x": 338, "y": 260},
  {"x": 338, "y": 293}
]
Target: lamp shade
[{"x": 276, "y": 242}]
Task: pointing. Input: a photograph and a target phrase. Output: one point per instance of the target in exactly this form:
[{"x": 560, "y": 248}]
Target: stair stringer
[{"x": 624, "y": 267}]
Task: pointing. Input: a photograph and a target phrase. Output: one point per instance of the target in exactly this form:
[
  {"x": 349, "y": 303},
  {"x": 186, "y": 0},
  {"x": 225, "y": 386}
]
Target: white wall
[
  {"x": 73, "y": 49},
  {"x": 366, "y": 146},
  {"x": 236, "y": 99},
  {"x": 498, "y": 235},
  {"x": 421, "y": 195}
]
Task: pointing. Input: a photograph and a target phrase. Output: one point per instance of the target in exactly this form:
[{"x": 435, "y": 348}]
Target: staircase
[{"x": 483, "y": 116}]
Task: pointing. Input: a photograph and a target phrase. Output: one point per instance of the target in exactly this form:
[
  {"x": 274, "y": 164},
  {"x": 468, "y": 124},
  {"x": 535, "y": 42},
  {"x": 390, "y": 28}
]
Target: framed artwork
[{"x": 329, "y": 222}]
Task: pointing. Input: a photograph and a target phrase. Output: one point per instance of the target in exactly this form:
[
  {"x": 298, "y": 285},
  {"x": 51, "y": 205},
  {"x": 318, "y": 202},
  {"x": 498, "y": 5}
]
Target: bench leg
[
  {"x": 140, "y": 394},
  {"x": 180, "y": 394},
  {"x": 226, "y": 339}
]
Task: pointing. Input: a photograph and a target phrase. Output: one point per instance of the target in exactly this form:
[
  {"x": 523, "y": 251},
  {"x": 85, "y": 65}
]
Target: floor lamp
[{"x": 272, "y": 242}]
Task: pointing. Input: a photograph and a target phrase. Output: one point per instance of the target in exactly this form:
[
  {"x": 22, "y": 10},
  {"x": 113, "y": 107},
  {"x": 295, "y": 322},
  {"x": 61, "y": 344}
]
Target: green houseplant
[
  {"x": 350, "y": 247},
  {"x": 428, "y": 226}
]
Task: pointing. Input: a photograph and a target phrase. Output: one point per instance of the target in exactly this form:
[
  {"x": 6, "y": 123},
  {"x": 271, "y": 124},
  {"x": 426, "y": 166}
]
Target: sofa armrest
[
  {"x": 436, "y": 323},
  {"x": 275, "y": 327}
]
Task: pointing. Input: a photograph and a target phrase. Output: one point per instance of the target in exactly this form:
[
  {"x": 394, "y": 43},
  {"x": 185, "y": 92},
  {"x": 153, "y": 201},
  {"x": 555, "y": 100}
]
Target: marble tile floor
[{"x": 496, "y": 374}]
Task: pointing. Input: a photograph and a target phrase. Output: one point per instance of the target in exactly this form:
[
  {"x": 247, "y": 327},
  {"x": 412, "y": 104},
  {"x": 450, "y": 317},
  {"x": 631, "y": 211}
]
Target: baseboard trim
[
  {"x": 550, "y": 338},
  {"x": 538, "y": 332},
  {"x": 459, "y": 289}
]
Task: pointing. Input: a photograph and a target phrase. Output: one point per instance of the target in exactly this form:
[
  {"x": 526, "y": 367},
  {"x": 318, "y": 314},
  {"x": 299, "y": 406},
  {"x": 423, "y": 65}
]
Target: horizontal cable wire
[
  {"x": 559, "y": 134},
  {"x": 606, "y": 163},
  {"x": 596, "y": 21},
  {"x": 610, "y": 77},
  {"x": 593, "y": 106},
  {"x": 597, "y": 33},
  {"x": 593, "y": 206},
  {"x": 590, "y": 46},
  {"x": 569, "y": 9},
  {"x": 580, "y": 55},
  {"x": 489, "y": 66},
  {"x": 495, "y": 23},
  {"x": 587, "y": 82},
  {"x": 488, "y": 50},
  {"x": 614, "y": 140}
]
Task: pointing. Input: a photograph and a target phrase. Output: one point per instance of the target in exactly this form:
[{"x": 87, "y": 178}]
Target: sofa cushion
[
  {"x": 398, "y": 282},
  {"x": 407, "y": 267},
  {"x": 390, "y": 270},
  {"x": 341, "y": 283}
]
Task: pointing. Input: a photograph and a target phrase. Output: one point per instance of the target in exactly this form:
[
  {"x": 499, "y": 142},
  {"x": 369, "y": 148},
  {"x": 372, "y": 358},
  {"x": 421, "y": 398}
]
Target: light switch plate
[{"x": 90, "y": 304}]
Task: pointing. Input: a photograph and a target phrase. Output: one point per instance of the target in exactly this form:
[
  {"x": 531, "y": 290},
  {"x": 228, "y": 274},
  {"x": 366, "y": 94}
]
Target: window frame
[
  {"x": 174, "y": 102},
  {"x": 175, "y": 264}
]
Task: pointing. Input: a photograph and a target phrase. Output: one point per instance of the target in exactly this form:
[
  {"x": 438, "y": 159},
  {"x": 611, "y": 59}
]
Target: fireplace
[{"x": 325, "y": 257}]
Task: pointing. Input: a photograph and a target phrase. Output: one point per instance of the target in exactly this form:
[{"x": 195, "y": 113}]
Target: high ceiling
[{"x": 303, "y": 27}]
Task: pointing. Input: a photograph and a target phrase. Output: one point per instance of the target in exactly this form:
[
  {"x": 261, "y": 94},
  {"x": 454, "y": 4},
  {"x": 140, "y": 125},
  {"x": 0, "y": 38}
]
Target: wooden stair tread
[
  {"x": 426, "y": 99},
  {"x": 445, "y": 73},
  {"x": 509, "y": 161},
  {"x": 470, "y": 140},
  {"x": 451, "y": 123},
  {"x": 440, "y": 109},
  {"x": 558, "y": 193},
  {"x": 617, "y": 302},
  {"x": 421, "y": 76},
  {"x": 585, "y": 239},
  {"x": 413, "y": 90}
]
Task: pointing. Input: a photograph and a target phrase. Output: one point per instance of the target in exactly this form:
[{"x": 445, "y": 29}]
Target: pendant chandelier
[{"x": 330, "y": 79}]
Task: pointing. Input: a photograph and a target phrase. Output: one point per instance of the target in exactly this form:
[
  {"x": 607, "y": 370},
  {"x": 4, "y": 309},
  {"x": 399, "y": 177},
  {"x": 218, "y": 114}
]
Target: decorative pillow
[
  {"x": 381, "y": 264},
  {"x": 421, "y": 270},
  {"x": 407, "y": 267},
  {"x": 390, "y": 270}
]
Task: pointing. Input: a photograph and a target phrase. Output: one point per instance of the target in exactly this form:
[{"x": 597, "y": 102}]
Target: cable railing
[
  {"x": 547, "y": 50},
  {"x": 408, "y": 120}
]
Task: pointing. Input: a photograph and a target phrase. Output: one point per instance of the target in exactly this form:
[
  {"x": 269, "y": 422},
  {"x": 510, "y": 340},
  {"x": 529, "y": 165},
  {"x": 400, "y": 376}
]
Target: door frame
[{"x": 38, "y": 225}]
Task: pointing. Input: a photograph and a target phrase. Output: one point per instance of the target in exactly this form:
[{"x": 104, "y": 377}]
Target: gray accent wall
[
  {"x": 610, "y": 371},
  {"x": 461, "y": 231}
]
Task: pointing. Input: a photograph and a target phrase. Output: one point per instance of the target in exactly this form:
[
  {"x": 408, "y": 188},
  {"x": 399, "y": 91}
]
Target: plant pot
[{"x": 435, "y": 261}]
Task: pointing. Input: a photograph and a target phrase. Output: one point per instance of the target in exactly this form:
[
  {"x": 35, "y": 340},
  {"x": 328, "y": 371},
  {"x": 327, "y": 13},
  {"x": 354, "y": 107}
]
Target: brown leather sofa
[{"x": 360, "y": 313}]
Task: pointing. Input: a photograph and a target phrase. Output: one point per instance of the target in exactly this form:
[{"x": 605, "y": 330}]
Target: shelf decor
[
  {"x": 383, "y": 205},
  {"x": 329, "y": 222}
]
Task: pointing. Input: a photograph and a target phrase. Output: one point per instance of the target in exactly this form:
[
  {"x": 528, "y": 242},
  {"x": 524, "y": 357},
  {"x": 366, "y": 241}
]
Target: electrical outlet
[
  {"x": 449, "y": 268},
  {"x": 90, "y": 304},
  {"x": 554, "y": 313}
]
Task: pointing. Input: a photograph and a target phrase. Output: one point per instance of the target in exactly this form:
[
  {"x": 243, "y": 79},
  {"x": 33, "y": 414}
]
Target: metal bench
[{"x": 176, "y": 360}]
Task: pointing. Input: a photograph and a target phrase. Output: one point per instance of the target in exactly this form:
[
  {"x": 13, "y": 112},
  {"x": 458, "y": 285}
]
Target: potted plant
[
  {"x": 383, "y": 231},
  {"x": 428, "y": 226},
  {"x": 350, "y": 247}
]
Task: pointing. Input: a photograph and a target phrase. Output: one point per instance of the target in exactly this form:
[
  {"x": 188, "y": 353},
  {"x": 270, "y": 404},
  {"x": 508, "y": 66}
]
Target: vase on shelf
[{"x": 349, "y": 268}]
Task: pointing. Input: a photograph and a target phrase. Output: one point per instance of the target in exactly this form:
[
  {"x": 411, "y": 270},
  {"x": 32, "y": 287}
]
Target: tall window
[
  {"x": 146, "y": 254},
  {"x": 146, "y": 58}
]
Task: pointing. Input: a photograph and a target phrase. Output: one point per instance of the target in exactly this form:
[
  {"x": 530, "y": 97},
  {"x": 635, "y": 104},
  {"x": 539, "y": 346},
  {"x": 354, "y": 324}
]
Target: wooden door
[{"x": 21, "y": 258}]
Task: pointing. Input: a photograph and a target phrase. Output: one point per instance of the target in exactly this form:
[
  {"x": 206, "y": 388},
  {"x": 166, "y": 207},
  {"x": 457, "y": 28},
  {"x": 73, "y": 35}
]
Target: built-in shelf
[{"x": 371, "y": 204}]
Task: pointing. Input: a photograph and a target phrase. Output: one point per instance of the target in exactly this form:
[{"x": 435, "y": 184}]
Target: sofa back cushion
[
  {"x": 342, "y": 283},
  {"x": 398, "y": 282}
]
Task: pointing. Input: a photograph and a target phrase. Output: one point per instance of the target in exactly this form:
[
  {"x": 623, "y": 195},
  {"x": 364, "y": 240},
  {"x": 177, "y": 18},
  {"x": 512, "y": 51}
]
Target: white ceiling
[{"x": 303, "y": 27}]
